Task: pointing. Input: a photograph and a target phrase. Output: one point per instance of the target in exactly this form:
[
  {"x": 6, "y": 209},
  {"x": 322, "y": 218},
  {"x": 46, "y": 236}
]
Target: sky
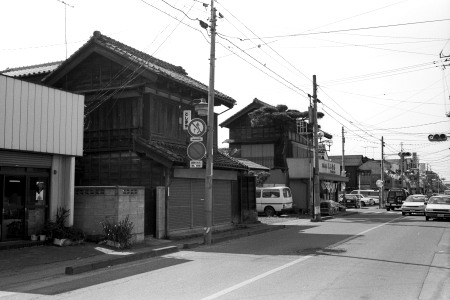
[{"x": 382, "y": 67}]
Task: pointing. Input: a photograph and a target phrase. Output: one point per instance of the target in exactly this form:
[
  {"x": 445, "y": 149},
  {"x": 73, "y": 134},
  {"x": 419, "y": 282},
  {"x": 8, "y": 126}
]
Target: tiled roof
[
  {"x": 177, "y": 154},
  {"x": 252, "y": 165},
  {"x": 31, "y": 70},
  {"x": 160, "y": 67},
  {"x": 255, "y": 104}
]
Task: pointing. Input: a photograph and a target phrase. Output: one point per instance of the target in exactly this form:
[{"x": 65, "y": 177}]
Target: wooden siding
[{"x": 40, "y": 119}]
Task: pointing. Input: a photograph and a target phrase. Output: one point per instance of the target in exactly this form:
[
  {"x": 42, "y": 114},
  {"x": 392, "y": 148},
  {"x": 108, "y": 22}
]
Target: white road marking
[
  {"x": 301, "y": 259},
  {"x": 244, "y": 283}
]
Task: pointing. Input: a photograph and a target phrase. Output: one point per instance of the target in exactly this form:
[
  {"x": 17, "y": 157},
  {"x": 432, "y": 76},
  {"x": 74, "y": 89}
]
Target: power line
[{"x": 353, "y": 29}]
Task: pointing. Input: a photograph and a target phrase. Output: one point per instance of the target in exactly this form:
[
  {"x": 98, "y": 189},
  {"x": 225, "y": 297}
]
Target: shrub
[
  {"x": 120, "y": 233},
  {"x": 57, "y": 229}
]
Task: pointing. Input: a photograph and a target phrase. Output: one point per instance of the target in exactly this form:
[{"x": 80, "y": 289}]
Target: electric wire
[{"x": 355, "y": 29}]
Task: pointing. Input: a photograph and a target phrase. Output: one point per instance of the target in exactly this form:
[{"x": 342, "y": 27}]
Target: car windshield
[
  {"x": 439, "y": 200},
  {"x": 415, "y": 199}
]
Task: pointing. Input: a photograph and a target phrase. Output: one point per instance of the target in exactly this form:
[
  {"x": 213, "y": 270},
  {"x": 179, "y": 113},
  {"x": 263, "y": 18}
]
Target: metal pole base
[{"x": 316, "y": 218}]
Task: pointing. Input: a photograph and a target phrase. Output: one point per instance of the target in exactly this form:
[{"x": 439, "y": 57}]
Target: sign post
[{"x": 196, "y": 150}]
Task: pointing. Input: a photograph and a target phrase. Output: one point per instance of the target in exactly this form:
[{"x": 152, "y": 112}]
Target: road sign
[
  {"x": 197, "y": 127},
  {"x": 196, "y": 164},
  {"x": 196, "y": 139},
  {"x": 186, "y": 118},
  {"x": 196, "y": 150},
  {"x": 379, "y": 183}
]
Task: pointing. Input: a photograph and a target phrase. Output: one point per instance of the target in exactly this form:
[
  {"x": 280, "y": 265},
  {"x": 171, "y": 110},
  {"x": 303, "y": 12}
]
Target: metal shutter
[
  {"x": 179, "y": 206},
  {"x": 221, "y": 202},
  {"x": 186, "y": 203},
  {"x": 25, "y": 159}
]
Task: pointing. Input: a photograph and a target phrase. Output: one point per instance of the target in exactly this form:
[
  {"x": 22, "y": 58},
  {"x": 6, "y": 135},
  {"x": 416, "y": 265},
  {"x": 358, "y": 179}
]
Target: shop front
[
  {"x": 25, "y": 201},
  {"x": 42, "y": 131},
  {"x": 301, "y": 181}
]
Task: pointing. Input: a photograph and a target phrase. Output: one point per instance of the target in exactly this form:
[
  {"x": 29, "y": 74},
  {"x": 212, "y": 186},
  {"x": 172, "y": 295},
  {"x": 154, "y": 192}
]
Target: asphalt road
[{"x": 370, "y": 255}]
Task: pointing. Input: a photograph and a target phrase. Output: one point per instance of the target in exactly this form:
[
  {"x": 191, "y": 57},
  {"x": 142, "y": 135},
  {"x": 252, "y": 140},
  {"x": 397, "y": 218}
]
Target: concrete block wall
[{"x": 95, "y": 204}]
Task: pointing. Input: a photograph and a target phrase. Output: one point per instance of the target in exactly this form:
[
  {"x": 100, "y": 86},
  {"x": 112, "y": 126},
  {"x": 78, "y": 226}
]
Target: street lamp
[{"x": 201, "y": 107}]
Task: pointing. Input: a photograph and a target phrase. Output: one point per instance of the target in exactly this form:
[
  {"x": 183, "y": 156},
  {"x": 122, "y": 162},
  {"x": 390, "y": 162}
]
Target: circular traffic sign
[
  {"x": 379, "y": 183},
  {"x": 196, "y": 150},
  {"x": 197, "y": 127}
]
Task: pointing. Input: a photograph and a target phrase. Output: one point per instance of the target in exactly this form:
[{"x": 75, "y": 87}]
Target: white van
[
  {"x": 273, "y": 200},
  {"x": 370, "y": 197}
]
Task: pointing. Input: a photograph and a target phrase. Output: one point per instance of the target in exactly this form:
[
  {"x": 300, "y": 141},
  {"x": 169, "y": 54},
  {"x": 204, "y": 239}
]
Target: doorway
[
  {"x": 23, "y": 205},
  {"x": 13, "y": 210}
]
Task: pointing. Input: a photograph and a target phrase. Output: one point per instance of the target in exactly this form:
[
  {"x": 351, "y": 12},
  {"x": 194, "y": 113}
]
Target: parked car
[
  {"x": 330, "y": 207},
  {"x": 395, "y": 198},
  {"x": 372, "y": 195},
  {"x": 273, "y": 200},
  {"x": 365, "y": 200},
  {"x": 352, "y": 201},
  {"x": 437, "y": 207},
  {"x": 414, "y": 204}
]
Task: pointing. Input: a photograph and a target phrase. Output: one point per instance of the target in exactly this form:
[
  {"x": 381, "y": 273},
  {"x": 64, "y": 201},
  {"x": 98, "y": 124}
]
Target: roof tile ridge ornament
[{"x": 147, "y": 57}]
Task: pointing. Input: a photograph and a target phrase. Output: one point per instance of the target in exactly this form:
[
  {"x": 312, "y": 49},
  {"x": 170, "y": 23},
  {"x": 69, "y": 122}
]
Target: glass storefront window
[
  {"x": 36, "y": 204},
  {"x": 23, "y": 204}
]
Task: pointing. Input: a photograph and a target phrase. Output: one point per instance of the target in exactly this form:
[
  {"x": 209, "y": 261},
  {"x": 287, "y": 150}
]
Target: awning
[{"x": 333, "y": 177}]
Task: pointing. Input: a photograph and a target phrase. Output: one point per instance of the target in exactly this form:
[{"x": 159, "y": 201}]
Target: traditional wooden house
[
  {"x": 134, "y": 135},
  {"x": 264, "y": 145}
]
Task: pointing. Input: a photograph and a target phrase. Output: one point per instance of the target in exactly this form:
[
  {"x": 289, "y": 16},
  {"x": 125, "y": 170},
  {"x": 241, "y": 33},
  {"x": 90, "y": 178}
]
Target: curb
[
  {"x": 108, "y": 262},
  {"x": 233, "y": 236},
  {"x": 120, "y": 260}
]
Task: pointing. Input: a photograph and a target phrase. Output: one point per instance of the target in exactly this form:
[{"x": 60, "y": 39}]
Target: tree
[{"x": 282, "y": 118}]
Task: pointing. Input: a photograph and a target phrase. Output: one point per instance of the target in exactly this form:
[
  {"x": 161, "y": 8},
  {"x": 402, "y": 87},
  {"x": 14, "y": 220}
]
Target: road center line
[
  {"x": 301, "y": 259},
  {"x": 244, "y": 283}
]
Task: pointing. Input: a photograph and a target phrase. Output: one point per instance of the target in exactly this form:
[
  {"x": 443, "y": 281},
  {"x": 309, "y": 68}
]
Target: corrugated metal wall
[{"x": 40, "y": 119}]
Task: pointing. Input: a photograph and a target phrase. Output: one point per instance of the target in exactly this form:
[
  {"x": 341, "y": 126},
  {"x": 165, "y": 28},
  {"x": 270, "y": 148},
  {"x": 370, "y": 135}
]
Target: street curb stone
[
  {"x": 72, "y": 270},
  {"x": 120, "y": 260}
]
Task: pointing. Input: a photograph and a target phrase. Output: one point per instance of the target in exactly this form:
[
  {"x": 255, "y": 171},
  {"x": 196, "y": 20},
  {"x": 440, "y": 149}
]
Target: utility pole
[
  {"x": 343, "y": 158},
  {"x": 381, "y": 202},
  {"x": 317, "y": 217},
  {"x": 402, "y": 161},
  {"x": 210, "y": 134}
]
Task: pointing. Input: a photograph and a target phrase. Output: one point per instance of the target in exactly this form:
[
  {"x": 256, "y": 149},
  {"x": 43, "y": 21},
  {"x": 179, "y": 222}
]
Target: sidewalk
[
  {"x": 53, "y": 260},
  {"x": 48, "y": 260}
]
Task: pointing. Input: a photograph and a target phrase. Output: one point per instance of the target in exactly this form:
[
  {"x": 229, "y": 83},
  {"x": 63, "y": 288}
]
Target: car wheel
[
  {"x": 269, "y": 211},
  {"x": 427, "y": 218},
  {"x": 388, "y": 208},
  {"x": 363, "y": 203},
  {"x": 371, "y": 202},
  {"x": 403, "y": 213}
]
